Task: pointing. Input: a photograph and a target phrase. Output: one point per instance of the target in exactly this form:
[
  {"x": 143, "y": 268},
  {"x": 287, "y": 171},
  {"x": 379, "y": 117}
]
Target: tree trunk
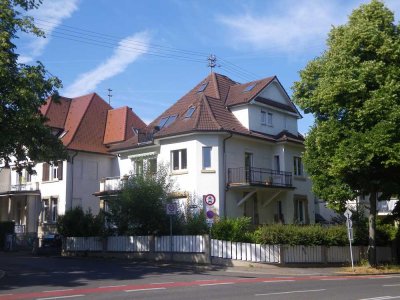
[{"x": 372, "y": 229}]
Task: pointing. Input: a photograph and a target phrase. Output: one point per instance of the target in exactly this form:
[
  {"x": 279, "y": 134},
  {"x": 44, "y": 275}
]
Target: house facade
[
  {"x": 87, "y": 126},
  {"x": 237, "y": 142}
]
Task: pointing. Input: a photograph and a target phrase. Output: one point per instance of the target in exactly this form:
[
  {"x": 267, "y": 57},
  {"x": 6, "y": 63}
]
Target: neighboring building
[
  {"x": 87, "y": 126},
  {"x": 239, "y": 142},
  {"x": 383, "y": 207}
]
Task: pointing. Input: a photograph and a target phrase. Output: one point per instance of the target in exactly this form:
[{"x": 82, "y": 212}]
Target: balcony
[
  {"x": 259, "y": 176},
  {"x": 386, "y": 207},
  {"x": 17, "y": 188},
  {"x": 112, "y": 184}
]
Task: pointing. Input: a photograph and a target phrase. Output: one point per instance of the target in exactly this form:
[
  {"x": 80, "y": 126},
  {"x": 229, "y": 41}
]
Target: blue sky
[{"x": 150, "y": 53}]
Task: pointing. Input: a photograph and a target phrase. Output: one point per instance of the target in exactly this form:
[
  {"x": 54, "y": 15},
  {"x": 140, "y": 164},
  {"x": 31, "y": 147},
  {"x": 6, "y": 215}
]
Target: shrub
[
  {"x": 76, "y": 222},
  {"x": 235, "y": 230},
  {"x": 195, "y": 224}
]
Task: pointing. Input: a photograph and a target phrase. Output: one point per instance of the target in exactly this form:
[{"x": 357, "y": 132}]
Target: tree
[
  {"x": 23, "y": 90},
  {"x": 76, "y": 222},
  {"x": 353, "y": 91},
  {"x": 140, "y": 207}
]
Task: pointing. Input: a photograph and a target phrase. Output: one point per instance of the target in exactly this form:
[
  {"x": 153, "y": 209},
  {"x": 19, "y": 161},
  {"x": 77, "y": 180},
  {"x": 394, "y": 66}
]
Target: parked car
[{"x": 51, "y": 240}]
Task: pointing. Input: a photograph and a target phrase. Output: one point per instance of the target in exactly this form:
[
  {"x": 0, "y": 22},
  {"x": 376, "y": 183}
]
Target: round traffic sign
[
  {"x": 210, "y": 214},
  {"x": 209, "y": 199}
]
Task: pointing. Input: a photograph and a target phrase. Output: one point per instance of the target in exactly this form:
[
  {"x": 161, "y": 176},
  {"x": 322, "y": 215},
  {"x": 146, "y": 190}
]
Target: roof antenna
[
  {"x": 212, "y": 62},
  {"x": 109, "y": 95}
]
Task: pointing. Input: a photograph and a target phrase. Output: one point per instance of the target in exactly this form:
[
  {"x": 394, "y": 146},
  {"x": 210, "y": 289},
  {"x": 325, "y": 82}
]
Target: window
[
  {"x": 300, "y": 210},
  {"x": 138, "y": 167},
  {"x": 152, "y": 165},
  {"x": 202, "y": 87},
  {"x": 269, "y": 119},
  {"x": 49, "y": 210},
  {"x": 263, "y": 118},
  {"x": 190, "y": 112},
  {"x": 277, "y": 165},
  {"x": 162, "y": 122},
  {"x": 166, "y": 121},
  {"x": 298, "y": 166},
  {"x": 179, "y": 159},
  {"x": 53, "y": 171},
  {"x": 249, "y": 87},
  {"x": 206, "y": 158}
]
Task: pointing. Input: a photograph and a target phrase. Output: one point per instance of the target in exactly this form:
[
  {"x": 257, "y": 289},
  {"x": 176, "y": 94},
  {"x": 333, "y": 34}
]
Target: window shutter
[
  {"x": 60, "y": 170},
  {"x": 45, "y": 175}
]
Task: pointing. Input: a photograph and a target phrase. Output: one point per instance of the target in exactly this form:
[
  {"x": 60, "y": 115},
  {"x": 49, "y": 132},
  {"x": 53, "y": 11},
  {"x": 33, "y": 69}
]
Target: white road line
[
  {"x": 60, "y": 297},
  {"x": 57, "y": 290},
  {"x": 111, "y": 286},
  {"x": 162, "y": 282},
  {"x": 143, "y": 290},
  {"x": 273, "y": 281},
  {"x": 291, "y": 292},
  {"x": 218, "y": 283},
  {"x": 392, "y": 284},
  {"x": 382, "y": 298}
]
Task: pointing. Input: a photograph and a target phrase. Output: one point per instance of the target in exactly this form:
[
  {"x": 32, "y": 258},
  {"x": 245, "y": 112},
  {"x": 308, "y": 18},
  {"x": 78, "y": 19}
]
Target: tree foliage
[
  {"x": 140, "y": 207},
  {"x": 353, "y": 91},
  {"x": 76, "y": 222},
  {"x": 23, "y": 90}
]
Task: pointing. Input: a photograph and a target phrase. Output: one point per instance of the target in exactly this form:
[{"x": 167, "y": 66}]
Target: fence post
[
  {"x": 207, "y": 248},
  {"x": 281, "y": 254}
]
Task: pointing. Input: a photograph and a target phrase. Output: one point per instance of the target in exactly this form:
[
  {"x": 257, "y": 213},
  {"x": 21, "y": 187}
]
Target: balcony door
[{"x": 248, "y": 164}]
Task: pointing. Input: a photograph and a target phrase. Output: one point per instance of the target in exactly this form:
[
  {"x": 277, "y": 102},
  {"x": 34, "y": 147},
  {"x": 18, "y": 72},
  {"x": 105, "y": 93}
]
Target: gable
[{"x": 274, "y": 92}]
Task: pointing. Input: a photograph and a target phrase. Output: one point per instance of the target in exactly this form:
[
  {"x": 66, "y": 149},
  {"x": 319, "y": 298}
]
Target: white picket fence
[
  {"x": 180, "y": 243},
  {"x": 128, "y": 244},
  {"x": 245, "y": 251},
  {"x": 84, "y": 244}
]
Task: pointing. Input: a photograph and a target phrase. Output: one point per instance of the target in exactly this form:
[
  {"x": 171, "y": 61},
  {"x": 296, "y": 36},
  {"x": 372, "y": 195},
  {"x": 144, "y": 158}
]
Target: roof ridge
[
  {"x": 214, "y": 78},
  {"x": 211, "y": 112},
  {"x": 80, "y": 121}
]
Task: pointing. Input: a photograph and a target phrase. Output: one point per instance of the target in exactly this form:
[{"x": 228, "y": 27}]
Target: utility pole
[
  {"x": 212, "y": 62},
  {"x": 109, "y": 95}
]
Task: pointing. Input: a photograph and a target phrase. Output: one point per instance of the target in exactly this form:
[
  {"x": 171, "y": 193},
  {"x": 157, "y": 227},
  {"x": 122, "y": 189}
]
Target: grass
[{"x": 365, "y": 269}]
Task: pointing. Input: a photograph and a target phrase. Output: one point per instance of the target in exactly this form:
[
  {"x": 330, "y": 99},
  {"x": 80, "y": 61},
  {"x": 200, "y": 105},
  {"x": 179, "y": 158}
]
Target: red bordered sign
[{"x": 209, "y": 199}]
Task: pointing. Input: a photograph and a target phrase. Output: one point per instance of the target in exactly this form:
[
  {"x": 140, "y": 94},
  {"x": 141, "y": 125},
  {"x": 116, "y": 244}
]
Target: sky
[{"x": 150, "y": 53}]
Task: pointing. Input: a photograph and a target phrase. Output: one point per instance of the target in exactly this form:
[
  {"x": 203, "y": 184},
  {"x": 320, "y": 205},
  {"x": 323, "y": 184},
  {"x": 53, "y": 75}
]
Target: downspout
[
  {"x": 72, "y": 177},
  {"x": 224, "y": 170}
]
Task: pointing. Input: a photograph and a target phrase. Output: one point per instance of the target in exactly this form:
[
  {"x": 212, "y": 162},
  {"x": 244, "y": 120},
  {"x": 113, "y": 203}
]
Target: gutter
[
  {"x": 72, "y": 177},
  {"x": 224, "y": 170}
]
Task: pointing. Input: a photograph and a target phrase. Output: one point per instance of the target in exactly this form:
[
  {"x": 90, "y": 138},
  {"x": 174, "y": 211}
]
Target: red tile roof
[
  {"x": 89, "y": 122},
  {"x": 212, "y": 111}
]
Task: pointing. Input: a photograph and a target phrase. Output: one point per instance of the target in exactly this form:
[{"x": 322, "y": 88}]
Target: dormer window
[
  {"x": 63, "y": 134},
  {"x": 190, "y": 112},
  {"x": 202, "y": 87},
  {"x": 162, "y": 122}
]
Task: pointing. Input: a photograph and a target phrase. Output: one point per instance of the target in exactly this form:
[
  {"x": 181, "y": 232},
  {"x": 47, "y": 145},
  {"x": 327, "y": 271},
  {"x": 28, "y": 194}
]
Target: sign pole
[
  {"x": 170, "y": 236},
  {"x": 351, "y": 250},
  {"x": 349, "y": 224}
]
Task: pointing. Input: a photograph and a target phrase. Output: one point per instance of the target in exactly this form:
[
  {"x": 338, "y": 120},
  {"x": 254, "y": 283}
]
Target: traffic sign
[
  {"x": 348, "y": 213},
  {"x": 210, "y": 214},
  {"x": 209, "y": 199},
  {"x": 171, "y": 208},
  {"x": 210, "y": 222}
]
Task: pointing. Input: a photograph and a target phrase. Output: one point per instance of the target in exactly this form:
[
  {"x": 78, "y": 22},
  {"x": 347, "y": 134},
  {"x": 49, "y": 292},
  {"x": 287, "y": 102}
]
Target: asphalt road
[{"x": 30, "y": 277}]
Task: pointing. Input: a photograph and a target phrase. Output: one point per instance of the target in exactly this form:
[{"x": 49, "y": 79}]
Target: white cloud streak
[
  {"x": 53, "y": 11},
  {"x": 117, "y": 63},
  {"x": 293, "y": 27}
]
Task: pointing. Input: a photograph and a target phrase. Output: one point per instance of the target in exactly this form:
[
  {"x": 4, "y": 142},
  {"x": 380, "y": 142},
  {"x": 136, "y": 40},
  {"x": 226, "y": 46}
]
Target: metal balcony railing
[
  {"x": 259, "y": 176},
  {"x": 30, "y": 186}
]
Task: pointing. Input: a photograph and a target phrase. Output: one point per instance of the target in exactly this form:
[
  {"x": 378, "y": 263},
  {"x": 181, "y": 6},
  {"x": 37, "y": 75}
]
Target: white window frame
[
  {"x": 180, "y": 165},
  {"x": 263, "y": 117},
  {"x": 49, "y": 210},
  {"x": 297, "y": 166},
  {"x": 270, "y": 118},
  {"x": 209, "y": 154}
]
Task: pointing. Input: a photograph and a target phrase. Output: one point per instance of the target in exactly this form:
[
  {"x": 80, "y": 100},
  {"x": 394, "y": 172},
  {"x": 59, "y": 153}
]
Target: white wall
[
  {"x": 241, "y": 113},
  {"x": 274, "y": 92}
]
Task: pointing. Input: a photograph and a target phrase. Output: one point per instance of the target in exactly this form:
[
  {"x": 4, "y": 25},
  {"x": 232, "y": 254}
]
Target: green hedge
[{"x": 241, "y": 230}]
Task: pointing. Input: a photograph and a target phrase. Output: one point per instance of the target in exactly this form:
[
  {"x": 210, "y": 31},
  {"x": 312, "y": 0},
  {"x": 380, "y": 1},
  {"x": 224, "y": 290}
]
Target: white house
[
  {"x": 238, "y": 142},
  {"x": 87, "y": 126}
]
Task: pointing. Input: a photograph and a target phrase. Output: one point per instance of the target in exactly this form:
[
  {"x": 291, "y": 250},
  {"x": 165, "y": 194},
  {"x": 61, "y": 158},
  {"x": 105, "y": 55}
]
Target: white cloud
[
  {"x": 123, "y": 56},
  {"x": 48, "y": 17},
  {"x": 292, "y": 27}
]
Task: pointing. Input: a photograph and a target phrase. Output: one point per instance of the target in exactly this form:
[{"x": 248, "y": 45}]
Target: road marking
[
  {"x": 111, "y": 286},
  {"x": 60, "y": 297},
  {"x": 57, "y": 290},
  {"x": 217, "y": 283},
  {"x": 143, "y": 290},
  {"x": 273, "y": 281},
  {"x": 382, "y": 298},
  {"x": 291, "y": 292},
  {"x": 391, "y": 284},
  {"x": 167, "y": 282}
]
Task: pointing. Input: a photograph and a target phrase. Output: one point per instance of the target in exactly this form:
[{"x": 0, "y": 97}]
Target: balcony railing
[
  {"x": 30, "y": 186},
  {"x": 112, "y": 183},
  {"x": 259, "y": 176},
  {"x": 386, "y": 206}
]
